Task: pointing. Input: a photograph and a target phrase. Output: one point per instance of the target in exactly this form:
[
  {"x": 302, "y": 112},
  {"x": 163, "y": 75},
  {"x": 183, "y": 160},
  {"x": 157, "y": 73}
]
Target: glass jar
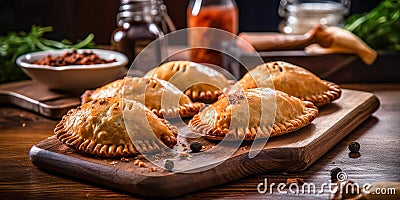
[
  {"x": 161, "y": 17},
  {"x": 136, "y": 28},
  {"x": 299, "y": 16},
  {"x": 220, "y": 14}
]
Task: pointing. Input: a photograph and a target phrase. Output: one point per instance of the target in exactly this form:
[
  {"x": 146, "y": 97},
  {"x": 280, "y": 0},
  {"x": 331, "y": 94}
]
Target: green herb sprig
[
  {"x": 380, "y": 28},
  {"x": 16, "y": 44}
]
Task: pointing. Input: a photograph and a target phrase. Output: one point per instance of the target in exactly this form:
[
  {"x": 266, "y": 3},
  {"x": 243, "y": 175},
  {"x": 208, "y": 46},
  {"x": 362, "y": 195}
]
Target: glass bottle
[
  {"x": 136, "y": 28},
  {"x": 161, "y": 17},
  {"x": 220, "y": 14}
]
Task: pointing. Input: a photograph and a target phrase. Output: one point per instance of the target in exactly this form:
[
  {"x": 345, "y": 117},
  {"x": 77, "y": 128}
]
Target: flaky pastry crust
[
  {"x": 160, "y": 96},
  {"x": 293, "y": 80},
  {"x": 199, "y": 82},
  {"x": 98, "y": 128},
  {"x": 214, "y": 122}
]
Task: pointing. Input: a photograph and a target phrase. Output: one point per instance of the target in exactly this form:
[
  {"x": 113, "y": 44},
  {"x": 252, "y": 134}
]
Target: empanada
[
  {"x": 293, "y": 80},
  {"x": 199, "y": 82},
  {"x": 160, "y": 96},
  {"x": 243, "y": 115},
  {"x": 99, "y": 127}
]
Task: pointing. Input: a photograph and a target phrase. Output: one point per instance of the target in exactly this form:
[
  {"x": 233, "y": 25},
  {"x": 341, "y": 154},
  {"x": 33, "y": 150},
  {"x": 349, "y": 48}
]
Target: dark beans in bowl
[{"x": 72, "y": 58}]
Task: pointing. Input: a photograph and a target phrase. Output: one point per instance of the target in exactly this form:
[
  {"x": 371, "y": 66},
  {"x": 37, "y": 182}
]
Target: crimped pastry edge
[
  {"x": 214, "y": 133},
  {"x": 187, "y": 110},
  {"x": 327, "y": 97},
  {"x": 207, "y": 96}
]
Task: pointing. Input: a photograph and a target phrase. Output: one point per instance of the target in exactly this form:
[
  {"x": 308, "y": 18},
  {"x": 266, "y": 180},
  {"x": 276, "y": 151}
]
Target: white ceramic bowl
[{"x": 74, "y": 77}]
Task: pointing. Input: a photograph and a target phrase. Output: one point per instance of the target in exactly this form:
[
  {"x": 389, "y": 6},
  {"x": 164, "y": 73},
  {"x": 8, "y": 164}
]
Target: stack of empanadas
[{"x": 272, "y": 99}]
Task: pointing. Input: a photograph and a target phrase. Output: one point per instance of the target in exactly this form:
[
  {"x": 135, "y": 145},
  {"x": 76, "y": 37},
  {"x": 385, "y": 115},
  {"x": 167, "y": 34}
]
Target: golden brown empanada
[
  {"x": 247, "y": 114},
  {"x": 99, "y": 127},
  {"x": 293, "y": 80},
  {"x": 199, "y": 82},
  {"x": 160, "y": 96}
]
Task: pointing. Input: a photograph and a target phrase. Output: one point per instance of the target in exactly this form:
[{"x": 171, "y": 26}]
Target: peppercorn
[
  {"x": 354, "y": 147},
  {"x": 334, "y": 172},
  {"x": 169, "y": 165},
  {"x": 196, "y": 146}
]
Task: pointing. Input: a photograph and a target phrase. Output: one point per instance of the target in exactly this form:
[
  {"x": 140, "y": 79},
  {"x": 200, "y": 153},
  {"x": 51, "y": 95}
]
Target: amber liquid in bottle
[{"x": 214, "y": 16}]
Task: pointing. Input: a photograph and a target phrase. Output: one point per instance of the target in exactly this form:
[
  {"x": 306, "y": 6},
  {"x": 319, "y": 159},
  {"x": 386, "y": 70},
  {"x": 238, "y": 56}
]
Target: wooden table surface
[{"x": 379, "y": 137}]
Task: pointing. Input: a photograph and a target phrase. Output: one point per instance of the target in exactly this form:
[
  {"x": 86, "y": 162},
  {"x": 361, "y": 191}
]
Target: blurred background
[{"x": 75, "y": 19}]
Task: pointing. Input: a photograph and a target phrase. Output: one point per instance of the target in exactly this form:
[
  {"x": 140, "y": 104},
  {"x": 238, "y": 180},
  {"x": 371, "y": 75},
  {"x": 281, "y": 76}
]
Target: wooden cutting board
[
  {"x": 36, "y": 97},
  {"x": 290, "y": 153}
]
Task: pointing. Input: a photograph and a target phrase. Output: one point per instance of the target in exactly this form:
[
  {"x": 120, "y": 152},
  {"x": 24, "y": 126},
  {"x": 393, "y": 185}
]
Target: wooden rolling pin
[
  {"x": 319, "y": 40},
  {"x": 280, "y": 41},
  {"x": 344, "y": 41}
]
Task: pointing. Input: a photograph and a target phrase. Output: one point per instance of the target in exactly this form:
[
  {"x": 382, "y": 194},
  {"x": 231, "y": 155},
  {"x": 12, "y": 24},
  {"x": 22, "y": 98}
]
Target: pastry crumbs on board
[
  {"x": 136, "y": 162},
  {"x": 183, "y": 155}
]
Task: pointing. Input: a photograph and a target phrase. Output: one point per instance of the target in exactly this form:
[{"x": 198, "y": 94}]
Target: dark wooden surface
[
  {"x": 288, "y": 153},
  {"x": 379, "y": 137}
]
